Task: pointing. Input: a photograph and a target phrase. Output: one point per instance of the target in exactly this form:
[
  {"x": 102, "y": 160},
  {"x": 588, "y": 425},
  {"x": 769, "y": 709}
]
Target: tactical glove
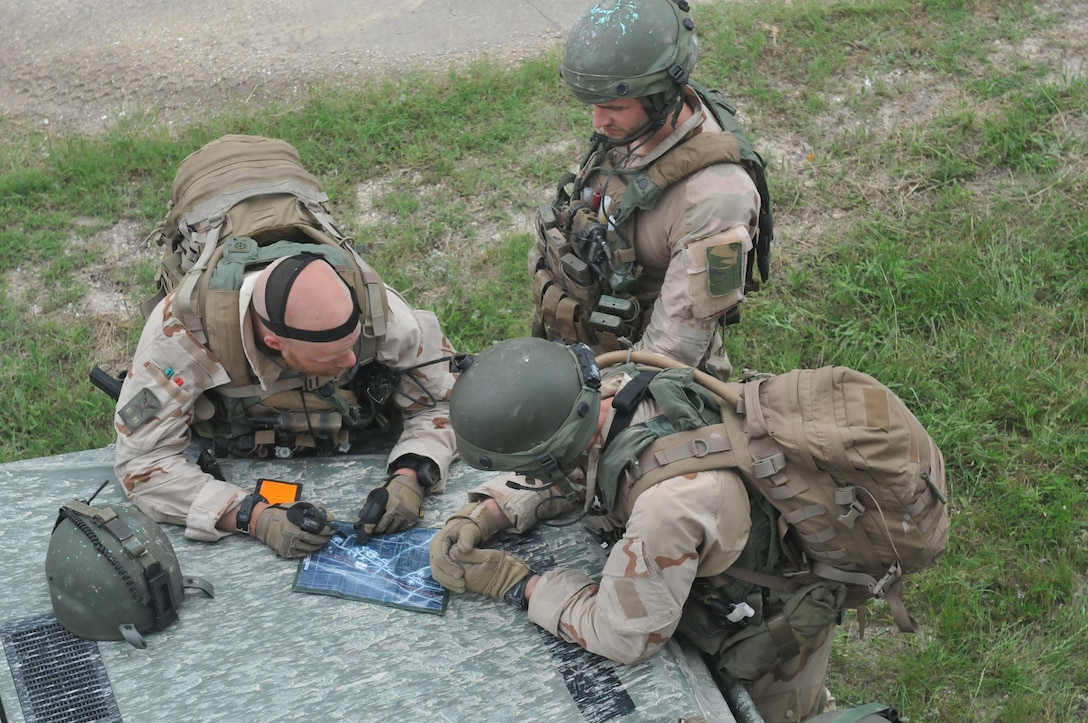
[
  {"x": 492, "y": 572},
  {"x": 395, "y": 506},
  {"x": 294, "y": 530},
  {"x": 469, "y": 528}
]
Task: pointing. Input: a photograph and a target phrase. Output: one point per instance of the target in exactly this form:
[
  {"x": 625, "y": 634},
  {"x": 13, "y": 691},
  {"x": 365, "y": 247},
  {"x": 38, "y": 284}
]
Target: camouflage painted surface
[{"x": 259, "y": 651}]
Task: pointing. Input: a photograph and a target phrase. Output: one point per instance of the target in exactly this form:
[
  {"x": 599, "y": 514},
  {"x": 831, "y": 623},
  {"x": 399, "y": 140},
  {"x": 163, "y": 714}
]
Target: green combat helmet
[
  {"x": 113, "y": 574},
  {"x": 642, "y": 49},
  {"x": 527, "y": 405}
]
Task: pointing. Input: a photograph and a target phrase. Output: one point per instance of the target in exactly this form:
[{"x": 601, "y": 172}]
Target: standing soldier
[{"x": 651, "y": 244}]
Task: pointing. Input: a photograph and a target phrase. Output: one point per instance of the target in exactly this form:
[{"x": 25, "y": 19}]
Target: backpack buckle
[
  {"x": 769, "y": 465},
  {"x": 894, "y": 573}
]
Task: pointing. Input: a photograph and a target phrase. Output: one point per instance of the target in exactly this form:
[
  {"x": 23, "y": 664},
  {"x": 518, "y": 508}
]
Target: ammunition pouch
[
  {"x": 324, "y": 420},
  {"x": 573, "y": 275},
  {"x": 778, "y": 630}
]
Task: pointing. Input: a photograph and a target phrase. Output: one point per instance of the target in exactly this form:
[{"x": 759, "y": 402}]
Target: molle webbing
[
  {"x": 319, "y": 402},
  {"x": 567, "y": 290}
]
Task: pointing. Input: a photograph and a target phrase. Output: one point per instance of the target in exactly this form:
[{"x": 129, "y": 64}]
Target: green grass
[{"x": 936, "y": 238}]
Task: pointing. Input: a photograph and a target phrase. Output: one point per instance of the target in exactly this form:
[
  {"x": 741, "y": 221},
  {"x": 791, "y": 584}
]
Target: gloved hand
[
  {"x": 294, "y": 530},
  {"x": 469, "y": 528},
  {"x": 395, "y": 506},
  {"x": 492, "y": 572}
]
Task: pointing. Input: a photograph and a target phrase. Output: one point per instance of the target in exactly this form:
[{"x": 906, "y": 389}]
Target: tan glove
[
  {"x": 294, "y": 530},
  {"x": 492, "y": 572},
  {"x": 396, "y": 505},
  {"x": 469, "y": 528}
]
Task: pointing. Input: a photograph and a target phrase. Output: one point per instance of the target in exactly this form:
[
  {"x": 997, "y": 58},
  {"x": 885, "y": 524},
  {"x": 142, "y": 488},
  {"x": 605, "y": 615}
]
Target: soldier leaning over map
[{"x": 274, "y": 344}]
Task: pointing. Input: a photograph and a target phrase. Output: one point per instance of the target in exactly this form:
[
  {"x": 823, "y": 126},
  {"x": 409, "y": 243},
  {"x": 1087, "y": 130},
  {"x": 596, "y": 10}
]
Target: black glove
[
  {"x": 395, "y": 506},
  {"x": 294, "y": 530}
]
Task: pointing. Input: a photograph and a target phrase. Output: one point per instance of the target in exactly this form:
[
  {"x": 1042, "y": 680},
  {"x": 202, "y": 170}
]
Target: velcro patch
[{"x": 140, "y": 408}]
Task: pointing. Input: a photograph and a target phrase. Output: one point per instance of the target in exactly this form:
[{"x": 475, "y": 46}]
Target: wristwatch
[
  {"x": 245, "y": 511},
  {"x": 516, "y": 594},
  {"x": 427, "y": 472}
]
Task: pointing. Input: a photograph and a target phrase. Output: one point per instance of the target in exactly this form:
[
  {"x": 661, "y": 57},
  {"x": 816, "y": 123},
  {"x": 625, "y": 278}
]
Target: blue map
[{"x": 392, "y": 570}]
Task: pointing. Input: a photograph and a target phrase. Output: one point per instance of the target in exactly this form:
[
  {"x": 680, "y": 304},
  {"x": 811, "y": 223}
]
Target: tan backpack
[
  {"x": 253, "y": 187},
  {"x": 857, "y": 479}
]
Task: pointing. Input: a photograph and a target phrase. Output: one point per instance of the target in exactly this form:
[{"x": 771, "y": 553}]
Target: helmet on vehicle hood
[{"x": 113, "y": 573}]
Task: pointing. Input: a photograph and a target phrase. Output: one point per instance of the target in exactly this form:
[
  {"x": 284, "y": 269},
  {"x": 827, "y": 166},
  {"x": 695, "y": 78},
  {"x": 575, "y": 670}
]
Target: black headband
[{"x": 278, "y": 287}]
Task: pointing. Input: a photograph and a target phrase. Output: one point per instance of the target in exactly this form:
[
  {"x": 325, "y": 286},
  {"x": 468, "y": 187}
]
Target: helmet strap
[
  {"x": 658, "y": 107},
  {"x": 644, "y": 134}
]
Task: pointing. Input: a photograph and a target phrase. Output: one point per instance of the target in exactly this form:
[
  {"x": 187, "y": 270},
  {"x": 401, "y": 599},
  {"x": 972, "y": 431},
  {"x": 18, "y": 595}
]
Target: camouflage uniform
[
  {"x": 681, "y": 529},
  {"x": 151, "y": 459},
  {"x": 718, "y": 204}
]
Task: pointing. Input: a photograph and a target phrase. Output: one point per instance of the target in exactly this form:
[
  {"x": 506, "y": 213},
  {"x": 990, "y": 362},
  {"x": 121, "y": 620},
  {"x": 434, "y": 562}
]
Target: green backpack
[{"x": 850, "y": 470}]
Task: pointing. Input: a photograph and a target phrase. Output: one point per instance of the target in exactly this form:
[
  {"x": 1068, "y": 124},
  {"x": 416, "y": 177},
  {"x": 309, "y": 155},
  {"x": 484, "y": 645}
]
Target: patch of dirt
[{"x": 84, "y": 65}]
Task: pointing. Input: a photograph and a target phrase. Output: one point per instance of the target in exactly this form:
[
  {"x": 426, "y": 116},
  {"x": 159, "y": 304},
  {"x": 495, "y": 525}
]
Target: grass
[{"x": 931, "y": 186}]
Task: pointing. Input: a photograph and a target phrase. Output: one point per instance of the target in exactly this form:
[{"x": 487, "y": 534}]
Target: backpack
[
  {"x": 236, "y": 205},
  {"x": 249, "y": 187},
  {"x": 857, "y": 480}
]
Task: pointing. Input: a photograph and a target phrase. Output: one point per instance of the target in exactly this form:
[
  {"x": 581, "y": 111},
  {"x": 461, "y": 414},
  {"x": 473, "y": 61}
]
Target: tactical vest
[
  {"x": 297, "y": 411},
  {"x": 584, "y": 271}
]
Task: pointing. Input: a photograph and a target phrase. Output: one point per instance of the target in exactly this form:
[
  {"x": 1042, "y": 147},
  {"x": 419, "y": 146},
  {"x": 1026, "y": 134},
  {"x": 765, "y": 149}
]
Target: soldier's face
[
  {"x": 325, "y": 359},
  {"x": 619, "y": 118}
]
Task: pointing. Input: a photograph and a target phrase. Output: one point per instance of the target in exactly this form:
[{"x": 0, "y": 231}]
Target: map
[{"x": 392, "y": 570}]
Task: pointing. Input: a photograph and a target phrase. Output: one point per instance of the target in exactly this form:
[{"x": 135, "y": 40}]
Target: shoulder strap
[
  {"x": 725, "y": 113},
  {"x": 675, "y": 455},
  {"x": 626, "y": 401},
  {"x": 694, "y": 154}
]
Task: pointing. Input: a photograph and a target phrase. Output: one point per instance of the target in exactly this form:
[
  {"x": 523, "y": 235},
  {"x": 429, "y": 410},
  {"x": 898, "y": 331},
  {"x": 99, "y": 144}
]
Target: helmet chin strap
[
  {"x": 644, "y": 133},
  {"x": 652, "y": 126}
]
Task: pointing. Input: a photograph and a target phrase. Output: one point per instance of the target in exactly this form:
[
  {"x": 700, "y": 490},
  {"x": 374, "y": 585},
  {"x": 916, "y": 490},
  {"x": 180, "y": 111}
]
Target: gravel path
[{"x": 85, "y": 64}]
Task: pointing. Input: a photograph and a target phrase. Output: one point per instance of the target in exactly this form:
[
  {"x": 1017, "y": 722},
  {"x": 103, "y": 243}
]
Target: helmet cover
[
  {"x": 111, "y": 570},
  {"x": 527, "y": 405},
  {"x": 629, "y": 49}
]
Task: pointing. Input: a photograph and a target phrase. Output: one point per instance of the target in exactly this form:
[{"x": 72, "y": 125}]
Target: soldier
[
  {"x": 543, "y": 410},
  {"x": 280, "y": 373},
  {"x": 650, "y": 244}
]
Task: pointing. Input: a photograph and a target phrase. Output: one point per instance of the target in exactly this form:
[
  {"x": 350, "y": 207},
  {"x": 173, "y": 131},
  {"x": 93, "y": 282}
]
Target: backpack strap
[
  {"x": 694, "y": 154},
  {"x": 626, "y": 401},
  {"x": 679, "y": 454}
]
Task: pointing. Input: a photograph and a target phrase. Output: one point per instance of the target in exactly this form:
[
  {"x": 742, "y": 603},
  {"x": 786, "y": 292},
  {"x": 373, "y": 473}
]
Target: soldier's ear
[{"x": 272, "y": 342}]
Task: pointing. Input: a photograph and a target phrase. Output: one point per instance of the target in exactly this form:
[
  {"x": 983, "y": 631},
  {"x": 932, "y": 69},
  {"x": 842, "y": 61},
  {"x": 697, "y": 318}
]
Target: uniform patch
[
  {"x": 141, "y": 408},
  {"x": 725, "y": 269}
]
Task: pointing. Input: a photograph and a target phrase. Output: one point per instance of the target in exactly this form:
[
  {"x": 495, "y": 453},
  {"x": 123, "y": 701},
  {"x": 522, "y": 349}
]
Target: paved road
[{"x": 84, "y": 64}]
